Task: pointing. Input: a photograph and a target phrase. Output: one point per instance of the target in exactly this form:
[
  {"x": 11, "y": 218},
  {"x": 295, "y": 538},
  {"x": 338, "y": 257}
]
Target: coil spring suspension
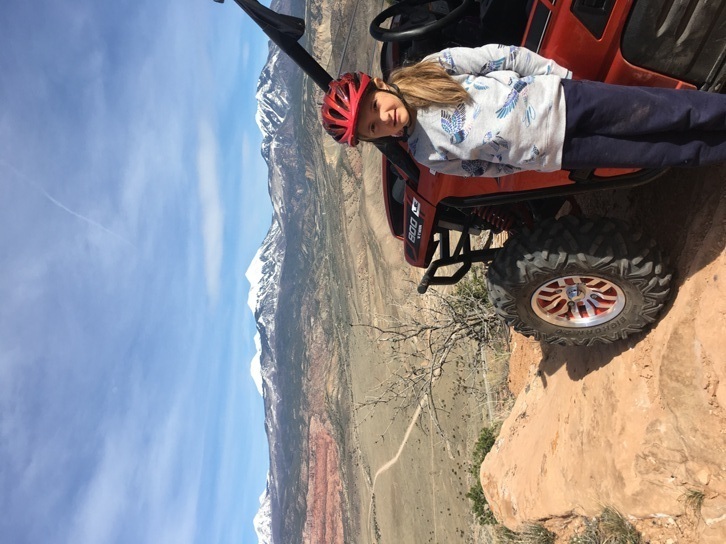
[{"x": 500, "y": 219}]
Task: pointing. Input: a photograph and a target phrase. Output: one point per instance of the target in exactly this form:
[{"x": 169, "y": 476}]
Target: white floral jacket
[{"x": 515, "y": 121}]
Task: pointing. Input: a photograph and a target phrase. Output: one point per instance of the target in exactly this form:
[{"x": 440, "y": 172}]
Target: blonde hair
[{"x": 427, "y": 84}]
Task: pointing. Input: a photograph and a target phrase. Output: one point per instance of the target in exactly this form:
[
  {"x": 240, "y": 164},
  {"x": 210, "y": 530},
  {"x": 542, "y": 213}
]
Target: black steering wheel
[{"x": 419, "y": 24}]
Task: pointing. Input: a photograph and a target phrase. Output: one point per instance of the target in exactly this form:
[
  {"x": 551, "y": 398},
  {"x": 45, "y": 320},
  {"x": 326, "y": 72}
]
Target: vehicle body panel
[{"x": 555, "y": 30}]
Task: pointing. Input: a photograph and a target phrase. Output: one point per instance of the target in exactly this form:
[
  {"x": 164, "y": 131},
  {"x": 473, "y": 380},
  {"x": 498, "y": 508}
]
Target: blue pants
[{"x": 641, "y": 127}]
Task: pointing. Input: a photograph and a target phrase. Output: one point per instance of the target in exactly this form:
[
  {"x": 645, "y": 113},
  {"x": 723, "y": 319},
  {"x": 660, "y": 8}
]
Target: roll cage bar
[{"x": 286, "y": 31}]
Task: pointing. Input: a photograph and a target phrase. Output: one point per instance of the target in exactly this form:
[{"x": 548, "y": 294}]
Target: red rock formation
[{"x": 324, "y": 523}]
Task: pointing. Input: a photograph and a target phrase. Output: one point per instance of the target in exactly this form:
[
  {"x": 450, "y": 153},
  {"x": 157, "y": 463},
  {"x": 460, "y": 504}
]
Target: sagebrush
[{"x": 480, "y": 506}]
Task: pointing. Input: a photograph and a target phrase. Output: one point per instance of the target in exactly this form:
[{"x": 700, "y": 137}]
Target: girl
[{"x": 498, "y": 109}]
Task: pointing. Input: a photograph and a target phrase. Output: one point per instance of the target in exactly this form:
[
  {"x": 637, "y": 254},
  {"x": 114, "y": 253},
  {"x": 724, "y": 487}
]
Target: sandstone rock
[{"x": 633, "y": 426}]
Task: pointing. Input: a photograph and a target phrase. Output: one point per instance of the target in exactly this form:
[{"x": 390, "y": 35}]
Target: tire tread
[{"x": 603, "y": 245}]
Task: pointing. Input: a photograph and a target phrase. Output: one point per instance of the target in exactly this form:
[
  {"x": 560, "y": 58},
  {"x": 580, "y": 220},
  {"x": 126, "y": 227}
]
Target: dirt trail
[{"x": 392, "y": 462}]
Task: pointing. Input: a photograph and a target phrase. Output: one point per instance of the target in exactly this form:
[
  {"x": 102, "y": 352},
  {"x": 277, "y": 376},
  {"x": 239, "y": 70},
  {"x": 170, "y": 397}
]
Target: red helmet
[{"x": 340, "y": 107}]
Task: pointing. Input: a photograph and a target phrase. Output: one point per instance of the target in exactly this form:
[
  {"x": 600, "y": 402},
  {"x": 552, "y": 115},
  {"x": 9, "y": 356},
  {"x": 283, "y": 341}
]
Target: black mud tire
[{"x": 600, "y": 250}]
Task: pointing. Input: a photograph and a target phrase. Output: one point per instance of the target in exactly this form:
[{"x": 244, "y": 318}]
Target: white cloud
[
  {"x": 109, "y": 494},
  {"x": 244, "y": 55},
  {"x": 147, "y": 479},
  {"x": 106, "y": 131},
  {"x": 211, "y": 208}
]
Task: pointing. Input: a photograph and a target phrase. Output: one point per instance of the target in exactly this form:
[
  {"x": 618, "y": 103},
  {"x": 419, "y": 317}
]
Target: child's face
[{"x": 381, "y": 114}]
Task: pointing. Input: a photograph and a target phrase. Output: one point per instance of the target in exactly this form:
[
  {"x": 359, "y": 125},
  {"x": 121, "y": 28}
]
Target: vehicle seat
[
  {"x": 504, "y": 21},
  {"x": 398, "y": 189}
]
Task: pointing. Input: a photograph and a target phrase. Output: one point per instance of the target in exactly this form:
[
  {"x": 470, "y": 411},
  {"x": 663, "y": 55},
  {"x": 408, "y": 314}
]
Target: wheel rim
[{"x": 578, "y": 301}]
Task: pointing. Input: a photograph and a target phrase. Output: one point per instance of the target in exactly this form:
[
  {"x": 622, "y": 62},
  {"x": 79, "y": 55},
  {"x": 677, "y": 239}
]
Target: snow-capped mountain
[
  {"x": 280, "y": 374},
  {"x": 264, "y": 297},
  {"x": 263, "y": 519},
  {"x": 272, "y": 101}
]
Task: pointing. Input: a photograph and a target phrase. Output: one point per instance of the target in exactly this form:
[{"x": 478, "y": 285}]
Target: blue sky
[{"x": 132, "y": 200}]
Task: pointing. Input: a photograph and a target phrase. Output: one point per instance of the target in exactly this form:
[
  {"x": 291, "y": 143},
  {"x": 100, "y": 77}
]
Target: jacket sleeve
[
  {"x": 471, "y": 168},
  {"x": 491, "y": 58}
]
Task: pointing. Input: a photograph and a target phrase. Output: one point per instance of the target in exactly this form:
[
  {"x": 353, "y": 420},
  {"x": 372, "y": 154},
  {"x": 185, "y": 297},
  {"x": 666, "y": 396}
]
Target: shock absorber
[{"x": 499, "y": 218}]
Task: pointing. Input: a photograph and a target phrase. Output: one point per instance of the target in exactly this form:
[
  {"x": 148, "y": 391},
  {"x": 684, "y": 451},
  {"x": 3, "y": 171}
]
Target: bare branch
[{"x": 421, "y": 342}]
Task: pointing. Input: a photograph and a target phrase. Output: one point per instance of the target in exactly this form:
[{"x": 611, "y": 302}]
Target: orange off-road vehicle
[{"x": 560, "y": 277}]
